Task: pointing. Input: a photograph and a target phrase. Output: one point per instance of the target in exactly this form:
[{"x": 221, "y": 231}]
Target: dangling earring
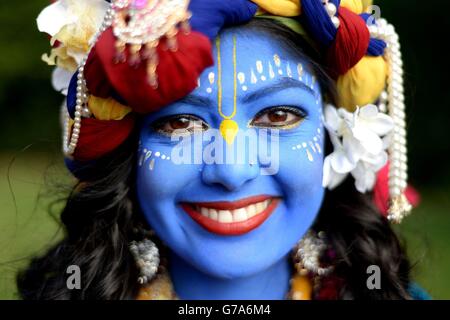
[
  {"x": 146, "y": 255},
  {"x": 308, "y": 253}
]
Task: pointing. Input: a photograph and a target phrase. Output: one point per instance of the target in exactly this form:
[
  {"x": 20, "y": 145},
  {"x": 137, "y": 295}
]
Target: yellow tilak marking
[{"x": 228, "y": 128}]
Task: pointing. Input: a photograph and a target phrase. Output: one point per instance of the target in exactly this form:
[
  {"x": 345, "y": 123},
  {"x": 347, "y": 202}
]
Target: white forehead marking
[
  {"x": 211, "y": 77},
  {"x": 276, "y": 59},
  {"x": 271, "y": 73},
  {"x": 241, "y": 77},
  {"x": 288, "y": 70},
  {"x": 253, "y": 77},
  {"x": 259, "y": 66},
  {"x": 300, "y": 70}
]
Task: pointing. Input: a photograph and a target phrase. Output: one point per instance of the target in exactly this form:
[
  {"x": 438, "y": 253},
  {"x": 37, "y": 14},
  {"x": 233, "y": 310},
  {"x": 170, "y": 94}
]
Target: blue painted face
[{"x": 234, "y": 220}]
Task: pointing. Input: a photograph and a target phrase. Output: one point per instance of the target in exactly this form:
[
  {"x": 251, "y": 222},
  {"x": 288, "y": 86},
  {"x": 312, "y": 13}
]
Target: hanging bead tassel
[
  {"x": 399, "y": 206},
  {"x": 152, "y": 63},
  {"x": 135, "y": 58}
]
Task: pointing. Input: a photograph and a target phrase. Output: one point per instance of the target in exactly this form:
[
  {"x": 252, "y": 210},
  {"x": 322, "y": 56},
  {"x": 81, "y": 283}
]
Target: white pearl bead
[
  {"x": 331, "y": 9},
  {"x": 336, "y": 21},
  {"x": 374, "y": 30}
]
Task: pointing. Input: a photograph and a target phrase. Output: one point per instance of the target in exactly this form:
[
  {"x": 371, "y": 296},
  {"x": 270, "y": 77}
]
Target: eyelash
[
  {"x": 296, "y": 110},
  {"x": 160, "y": 122}
]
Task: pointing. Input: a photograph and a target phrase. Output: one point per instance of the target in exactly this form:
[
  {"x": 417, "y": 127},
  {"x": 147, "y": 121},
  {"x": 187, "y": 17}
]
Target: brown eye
[
  {"x": 278, "y": 117},
  {"x": 180, "y": 125}
]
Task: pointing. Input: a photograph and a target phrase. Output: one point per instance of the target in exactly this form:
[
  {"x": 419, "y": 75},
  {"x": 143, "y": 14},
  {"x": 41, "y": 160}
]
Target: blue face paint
[{"x": 251, "y": 74}]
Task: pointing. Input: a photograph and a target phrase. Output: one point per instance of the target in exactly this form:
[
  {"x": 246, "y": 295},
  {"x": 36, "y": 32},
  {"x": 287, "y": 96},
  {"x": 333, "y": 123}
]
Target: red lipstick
[{"x": 232, "y": 218}]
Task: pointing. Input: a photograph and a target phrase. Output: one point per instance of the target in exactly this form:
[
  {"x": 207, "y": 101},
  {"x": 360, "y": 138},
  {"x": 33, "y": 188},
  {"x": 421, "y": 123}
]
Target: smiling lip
[{"x": 232, "y": 218}]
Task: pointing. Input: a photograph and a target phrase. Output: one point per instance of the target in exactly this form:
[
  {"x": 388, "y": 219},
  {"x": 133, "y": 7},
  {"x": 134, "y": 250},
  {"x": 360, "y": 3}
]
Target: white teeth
[
  {"x": 237, "y": 215},
  {"x": 204, "y": 212},
  {"x": 225, "y": 216},
  {"x": 251, "y": 210},
  {"x": 240, "y": 215},
  {"x": 213, "y": 214},
  {"x": 260, "y": 207}
]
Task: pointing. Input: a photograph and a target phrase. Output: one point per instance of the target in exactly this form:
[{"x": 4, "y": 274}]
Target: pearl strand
[
  {"x": 70, "y": 141},
  {"x": 331, "y": 10},
  {"x": 398, "y": 173}
]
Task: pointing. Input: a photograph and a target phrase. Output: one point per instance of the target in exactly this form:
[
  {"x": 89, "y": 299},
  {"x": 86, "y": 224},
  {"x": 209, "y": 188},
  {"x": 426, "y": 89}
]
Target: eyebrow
[
  {"x": 282, "y": 84},
  {"x": 197, "y": 100}
]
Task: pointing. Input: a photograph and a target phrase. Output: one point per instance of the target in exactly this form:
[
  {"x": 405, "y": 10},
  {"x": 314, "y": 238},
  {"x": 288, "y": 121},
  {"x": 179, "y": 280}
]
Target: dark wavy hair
[{"x": 101, "y": 217}]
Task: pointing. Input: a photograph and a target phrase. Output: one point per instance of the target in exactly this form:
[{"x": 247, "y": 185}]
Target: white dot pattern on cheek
[
  {"x": 150, "y": 157},
  {"x": 310, "y": 147}
]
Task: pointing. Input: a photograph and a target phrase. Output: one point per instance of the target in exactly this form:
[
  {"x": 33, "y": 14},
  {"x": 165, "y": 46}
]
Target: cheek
[
  {"x": 159, "y": 179},
  {"x": 300, "y": 173}
]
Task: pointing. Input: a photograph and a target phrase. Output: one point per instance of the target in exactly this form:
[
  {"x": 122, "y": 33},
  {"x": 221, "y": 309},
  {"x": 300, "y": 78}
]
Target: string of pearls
[
  {"x": 398, "y": 173},
  {"x": 308, "y": 253},
  {"x": 332, "y": 10},
  {"x": 70, "y": 139}
]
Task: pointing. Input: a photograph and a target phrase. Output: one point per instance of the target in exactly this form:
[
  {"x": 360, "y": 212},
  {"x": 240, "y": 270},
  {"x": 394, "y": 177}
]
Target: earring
[
  {"x": 308, "y": 253},
  {"x": 146, "y": 255}
]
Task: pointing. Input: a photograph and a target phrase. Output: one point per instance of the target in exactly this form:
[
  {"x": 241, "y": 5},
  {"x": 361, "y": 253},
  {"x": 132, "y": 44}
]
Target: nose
[{"x": 229, "y": 176}]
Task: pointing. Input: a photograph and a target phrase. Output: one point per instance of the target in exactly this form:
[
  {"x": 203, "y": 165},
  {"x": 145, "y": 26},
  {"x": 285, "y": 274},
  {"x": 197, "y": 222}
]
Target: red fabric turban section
[{"x": 177, "y": 71}]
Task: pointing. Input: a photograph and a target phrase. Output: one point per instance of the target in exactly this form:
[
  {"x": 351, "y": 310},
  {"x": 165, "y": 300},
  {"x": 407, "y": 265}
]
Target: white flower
[
  {"x": 73, "y": 23},
  {"x": 61, "y": 80},
  {"x": 359, "y": 147}
]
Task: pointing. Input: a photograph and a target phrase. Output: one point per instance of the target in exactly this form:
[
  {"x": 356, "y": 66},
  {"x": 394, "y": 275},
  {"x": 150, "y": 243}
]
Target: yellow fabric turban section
[
  {"x": 362, "y": 84},
  {"x": 283, "y": 8},
  {"x": 356, "y": 6},
  {"x": 107, "y": 109}
]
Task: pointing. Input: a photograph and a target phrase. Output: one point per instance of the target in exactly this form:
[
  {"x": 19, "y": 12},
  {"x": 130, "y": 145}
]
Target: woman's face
[{"x": 232, "y": 208}]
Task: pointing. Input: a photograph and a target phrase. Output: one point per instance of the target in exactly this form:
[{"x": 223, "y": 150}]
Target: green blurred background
[{"x": 32, "y": 173}]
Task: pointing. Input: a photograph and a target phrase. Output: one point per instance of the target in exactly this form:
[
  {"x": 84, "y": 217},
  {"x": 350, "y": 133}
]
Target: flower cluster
[
  {"x": 71, "y": 25},
  {"x": 360, "y": 141}
]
